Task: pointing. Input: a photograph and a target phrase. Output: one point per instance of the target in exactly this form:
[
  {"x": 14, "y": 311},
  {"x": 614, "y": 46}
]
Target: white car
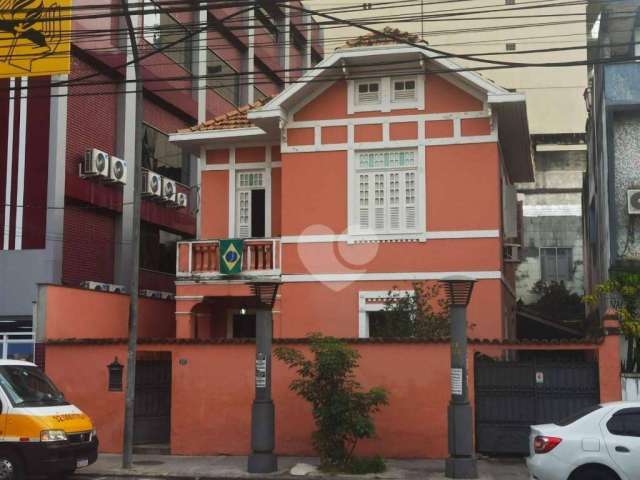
[{"x": 600, "y": 443}]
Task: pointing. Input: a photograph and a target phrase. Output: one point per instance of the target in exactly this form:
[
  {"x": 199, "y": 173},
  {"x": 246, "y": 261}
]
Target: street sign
[{"x": 34, "y": 37}]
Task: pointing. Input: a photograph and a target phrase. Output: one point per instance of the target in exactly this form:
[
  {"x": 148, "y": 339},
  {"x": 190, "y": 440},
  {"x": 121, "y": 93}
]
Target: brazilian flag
[{"x": 231, "y": 256}]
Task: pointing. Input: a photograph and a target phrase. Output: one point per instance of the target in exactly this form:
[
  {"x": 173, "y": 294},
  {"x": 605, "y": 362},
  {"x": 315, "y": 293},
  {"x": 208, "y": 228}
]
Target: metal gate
[
  {"x": 152, "y": 418},
  {"x": 512, "y": 396}
]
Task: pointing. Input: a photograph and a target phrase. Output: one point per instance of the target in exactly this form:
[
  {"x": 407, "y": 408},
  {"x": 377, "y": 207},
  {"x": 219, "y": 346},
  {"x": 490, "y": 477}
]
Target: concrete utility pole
[
  {"x": 262, "y": 458},
  {"x": 129, "y": 404},
  {"x": 461, "y": 462}
]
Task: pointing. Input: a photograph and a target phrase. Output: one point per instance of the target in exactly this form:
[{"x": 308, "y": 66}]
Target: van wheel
[{"x": 10, "y": 466}]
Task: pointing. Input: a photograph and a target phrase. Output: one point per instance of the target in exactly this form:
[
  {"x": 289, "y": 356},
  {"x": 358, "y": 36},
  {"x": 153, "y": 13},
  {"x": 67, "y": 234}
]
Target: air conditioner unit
[
  {"x": 98, "y": 286},
  {"x": 511, "y": 252},
  {"x": 116, "y": 288},
  {"x": 95, "y": 164},
  {"x": 151, "y": 184},
  {"x": 118, "y": 170},
  {"x": 168, "y": 190},
  {"x": 182, "y": 200},
  {"x": 150, "y": 293},
  {"x": 633, "y": 201}
]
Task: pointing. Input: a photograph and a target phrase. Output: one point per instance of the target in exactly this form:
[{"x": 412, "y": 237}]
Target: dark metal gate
[
  {"x": 512, "y": 396},
  {"x": 152, "y": 418}
]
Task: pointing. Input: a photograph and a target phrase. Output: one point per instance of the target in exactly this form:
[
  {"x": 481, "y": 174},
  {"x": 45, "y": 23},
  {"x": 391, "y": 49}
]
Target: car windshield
[
  {"x": 27, "y": 386},
  {"x": 577, "y": 416}
]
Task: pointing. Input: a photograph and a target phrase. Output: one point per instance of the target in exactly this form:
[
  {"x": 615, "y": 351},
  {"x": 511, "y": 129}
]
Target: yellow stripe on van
[{"x": 30, "y": 426}]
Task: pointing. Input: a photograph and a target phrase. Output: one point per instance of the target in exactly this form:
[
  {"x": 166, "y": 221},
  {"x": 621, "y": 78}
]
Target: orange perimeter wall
[
  {"x": 77, "y": 313},
  {"x": 213, "y": 390}
]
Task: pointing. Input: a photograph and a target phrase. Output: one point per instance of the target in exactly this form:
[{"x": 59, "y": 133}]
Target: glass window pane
[
  {"x": 20, "y": 351},
  {"x": 161, "y": 156},
  {"x": 222, "y": 78},
  {"x": 161, "y": 29}
]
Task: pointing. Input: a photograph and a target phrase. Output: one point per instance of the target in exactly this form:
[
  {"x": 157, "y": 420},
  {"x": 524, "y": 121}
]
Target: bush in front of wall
[{"x": 342, "y": 410}]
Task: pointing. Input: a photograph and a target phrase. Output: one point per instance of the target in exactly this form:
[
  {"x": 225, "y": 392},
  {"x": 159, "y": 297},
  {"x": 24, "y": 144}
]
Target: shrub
[{"x": 342, "y": 411}]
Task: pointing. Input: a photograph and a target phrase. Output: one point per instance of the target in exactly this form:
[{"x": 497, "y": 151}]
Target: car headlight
[{"x": 53, "y": 436}]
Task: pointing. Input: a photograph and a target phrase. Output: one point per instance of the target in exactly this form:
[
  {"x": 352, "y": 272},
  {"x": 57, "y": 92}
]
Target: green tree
[
  {"x": 623, "y": 292},
  {"x": 422, "y": 313},
  {"x": 556, "y": 302},
  {"x": 342, "y": 410}
]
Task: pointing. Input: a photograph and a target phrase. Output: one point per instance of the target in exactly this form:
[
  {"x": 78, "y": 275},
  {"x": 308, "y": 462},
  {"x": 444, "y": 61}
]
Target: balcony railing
[{"x": 260, "y": 257}]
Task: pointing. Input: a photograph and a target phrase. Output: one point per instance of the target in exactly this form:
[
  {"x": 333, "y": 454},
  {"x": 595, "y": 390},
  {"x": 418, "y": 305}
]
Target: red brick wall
[
  {"x": 89, "y": 246},
  {"x": 91, "y": 123}
]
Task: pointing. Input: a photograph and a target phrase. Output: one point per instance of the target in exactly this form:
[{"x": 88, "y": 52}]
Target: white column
[
  {"x": 250, "y": 78},
  {"x": 201, "y": 82}
]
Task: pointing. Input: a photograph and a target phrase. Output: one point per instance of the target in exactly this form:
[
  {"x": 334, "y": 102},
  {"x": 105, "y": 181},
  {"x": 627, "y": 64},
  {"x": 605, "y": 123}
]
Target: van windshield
[{"x": 27, "y": 386}]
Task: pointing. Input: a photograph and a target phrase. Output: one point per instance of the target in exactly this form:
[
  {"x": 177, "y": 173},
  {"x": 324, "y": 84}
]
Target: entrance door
[
  {"x": 251, "y": 205},
  {"x": 152, "y": 417},
  {"x": 244, "y": 326}
]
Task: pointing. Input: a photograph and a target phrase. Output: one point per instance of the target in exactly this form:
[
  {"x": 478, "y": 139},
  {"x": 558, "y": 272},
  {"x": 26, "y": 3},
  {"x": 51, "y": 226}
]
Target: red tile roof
[
  {"x": 230, "y": 120},
  {"x": 387, "y": 37}
]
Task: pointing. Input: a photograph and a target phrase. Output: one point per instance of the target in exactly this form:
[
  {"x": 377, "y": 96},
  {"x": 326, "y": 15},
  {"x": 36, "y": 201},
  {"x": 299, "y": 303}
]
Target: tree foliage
[
  {"x": 556, "y": 302},
  {"x": 342, "y": 410},
  {"x": 423, "y": 313},
  {"x": 622, "y": 291}
]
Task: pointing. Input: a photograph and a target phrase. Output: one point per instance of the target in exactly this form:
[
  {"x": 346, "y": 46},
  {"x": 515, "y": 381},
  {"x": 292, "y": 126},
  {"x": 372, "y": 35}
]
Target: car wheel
[
  {"x": 594, "y": 473},
  {"x": 11, "y": 466}
]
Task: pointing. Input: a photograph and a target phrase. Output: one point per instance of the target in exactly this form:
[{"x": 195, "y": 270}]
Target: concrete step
[{"x": 152, "y": 449}]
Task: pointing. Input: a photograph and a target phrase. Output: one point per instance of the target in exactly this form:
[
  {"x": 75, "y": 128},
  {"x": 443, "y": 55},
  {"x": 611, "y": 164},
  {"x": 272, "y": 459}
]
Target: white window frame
[
  {"x": 365, "y": 306},
  {"x": 354, "y": 196},
  {"x": 240, "y": 189},
  {"x": 386, "y": 95},
  {"x": 571, "y": 271},
  {"x": 410, "y": 101}
]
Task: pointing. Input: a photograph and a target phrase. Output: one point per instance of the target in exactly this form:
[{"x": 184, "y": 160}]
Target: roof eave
[
  {"x": 193, "y": 141},
  {"x": 515, "y": 140}
]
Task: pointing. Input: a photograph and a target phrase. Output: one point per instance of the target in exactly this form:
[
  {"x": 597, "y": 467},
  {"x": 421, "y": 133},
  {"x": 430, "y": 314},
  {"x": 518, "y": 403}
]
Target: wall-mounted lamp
[{"x": 115, "y": 375}]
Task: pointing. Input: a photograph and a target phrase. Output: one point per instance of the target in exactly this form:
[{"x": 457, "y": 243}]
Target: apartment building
[{"x": 67, "y": 143}]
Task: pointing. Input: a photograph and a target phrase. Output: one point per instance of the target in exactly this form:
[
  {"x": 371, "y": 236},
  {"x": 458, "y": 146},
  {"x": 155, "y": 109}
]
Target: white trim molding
[
  {"x": 388, "y": 276},
  {"x": 421, "y": 237}
]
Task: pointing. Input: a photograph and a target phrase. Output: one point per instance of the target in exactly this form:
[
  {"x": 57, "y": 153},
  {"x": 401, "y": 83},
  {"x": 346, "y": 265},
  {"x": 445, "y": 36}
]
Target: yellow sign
[{"x": 34, "y": 37}]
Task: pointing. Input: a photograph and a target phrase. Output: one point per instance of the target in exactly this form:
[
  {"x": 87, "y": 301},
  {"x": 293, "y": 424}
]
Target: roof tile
[{"x": 231, "y": 120}]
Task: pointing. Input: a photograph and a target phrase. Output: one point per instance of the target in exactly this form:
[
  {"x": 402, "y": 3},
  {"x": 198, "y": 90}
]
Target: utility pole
[{"x": 127, "y": 450}]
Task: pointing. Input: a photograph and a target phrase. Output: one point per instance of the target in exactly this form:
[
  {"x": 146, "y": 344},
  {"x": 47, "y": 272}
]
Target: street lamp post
[
  {"x": 262, "y": 458},
  {"x": 461, "y": 462}
]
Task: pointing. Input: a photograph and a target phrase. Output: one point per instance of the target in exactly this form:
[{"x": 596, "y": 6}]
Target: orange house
[{"x": 382, "y": 166}]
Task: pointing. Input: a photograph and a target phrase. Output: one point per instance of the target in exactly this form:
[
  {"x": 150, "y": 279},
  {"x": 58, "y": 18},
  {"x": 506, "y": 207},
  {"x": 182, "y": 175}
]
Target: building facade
[
  {"x": 612, "y": 181},
  {"x": 66, "y": 221},
  {"x": 351, "y": 184}
]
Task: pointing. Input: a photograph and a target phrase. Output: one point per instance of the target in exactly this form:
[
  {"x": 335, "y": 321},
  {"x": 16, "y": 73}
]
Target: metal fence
[
  {"x": 18, "y": 346},
  {"x": 631, "y": 387}
]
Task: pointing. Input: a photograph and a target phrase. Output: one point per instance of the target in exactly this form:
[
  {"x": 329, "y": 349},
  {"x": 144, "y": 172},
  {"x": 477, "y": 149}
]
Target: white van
[{"x": 40, "y": 432}]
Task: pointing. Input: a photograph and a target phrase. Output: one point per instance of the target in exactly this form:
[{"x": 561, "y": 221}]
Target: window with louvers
[
  {"x": 368, "y": 93},
  {"x": 387, "y": 192},
  {"x": 404, "y": 90}
]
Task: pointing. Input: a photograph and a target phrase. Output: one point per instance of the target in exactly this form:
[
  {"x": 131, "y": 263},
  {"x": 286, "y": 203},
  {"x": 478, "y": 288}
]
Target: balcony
[{"x": 201, "y": 259}]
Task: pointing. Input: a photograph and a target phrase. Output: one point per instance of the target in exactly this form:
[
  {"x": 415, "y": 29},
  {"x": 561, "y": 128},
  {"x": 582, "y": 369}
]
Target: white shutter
[
  {"x": 394, "y": 201},
  {"x": 364, "y": 207},
  {"x": 368, "y": 93},
  {"x": 244, "y": 214},
  {"x": 410, "y": 203},
  {"x": 379, "y": 202}
]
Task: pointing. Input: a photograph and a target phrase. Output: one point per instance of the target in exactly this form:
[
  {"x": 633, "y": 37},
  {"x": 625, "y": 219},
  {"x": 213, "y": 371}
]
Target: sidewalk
[{"x": 224, "y": 467}]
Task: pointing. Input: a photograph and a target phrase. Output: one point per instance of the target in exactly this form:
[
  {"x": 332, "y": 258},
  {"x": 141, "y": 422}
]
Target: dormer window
[
  {"x": 368, "y": 93},
  {"x": 404, "y": 90}
]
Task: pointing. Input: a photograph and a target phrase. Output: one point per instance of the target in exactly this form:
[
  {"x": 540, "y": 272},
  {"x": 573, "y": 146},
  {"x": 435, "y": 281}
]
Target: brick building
[{"x": 60, "y": 226}]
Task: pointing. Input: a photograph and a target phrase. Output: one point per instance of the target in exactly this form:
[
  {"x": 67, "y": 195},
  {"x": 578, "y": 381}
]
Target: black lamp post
[
  {"x": 461, "y": 462},
  {"x": 262, "y": 458}
]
